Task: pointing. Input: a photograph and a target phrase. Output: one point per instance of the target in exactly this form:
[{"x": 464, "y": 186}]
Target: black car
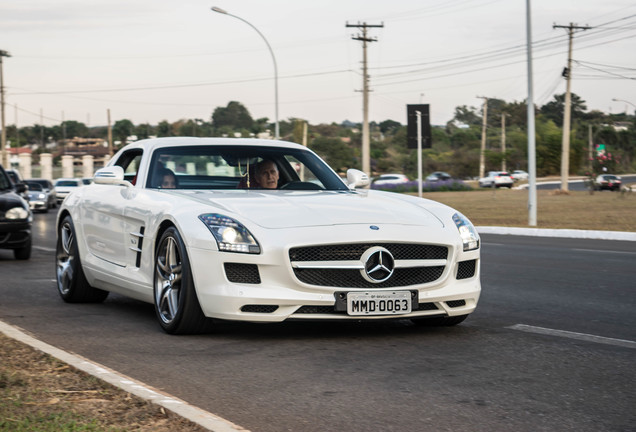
[
  {"x": 15, "y": 218},
  {"x": 439, "y": 176}
]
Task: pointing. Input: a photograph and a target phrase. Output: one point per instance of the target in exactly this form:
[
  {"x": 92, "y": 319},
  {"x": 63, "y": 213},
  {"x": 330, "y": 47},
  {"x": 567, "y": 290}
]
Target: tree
[
  {"x": 164, "y": 129},
  {"x": 144, "y": 130},
  {"x": 235, "y": 116},
  {"x": 388, "y": 126},
  {"x": 335, "y": 152},
  {"x": 122, "y": 129},
  {"x": 73, "y": 129},
  {"x": 553, "y": 110},
  {"x": 467, "y": 116}
]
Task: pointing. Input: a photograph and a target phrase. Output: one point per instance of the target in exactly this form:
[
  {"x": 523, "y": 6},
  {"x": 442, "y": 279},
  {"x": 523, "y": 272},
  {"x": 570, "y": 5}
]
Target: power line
[{"x": 171, "y": 86}]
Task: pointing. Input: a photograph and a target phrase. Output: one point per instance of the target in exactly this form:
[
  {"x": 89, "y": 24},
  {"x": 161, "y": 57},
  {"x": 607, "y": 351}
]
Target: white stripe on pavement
[{"x": 573, "y": 335}]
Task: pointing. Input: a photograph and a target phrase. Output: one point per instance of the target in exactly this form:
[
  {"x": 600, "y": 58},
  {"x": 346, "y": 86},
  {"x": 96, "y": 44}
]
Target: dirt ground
[{"x": 40, "y": 393}]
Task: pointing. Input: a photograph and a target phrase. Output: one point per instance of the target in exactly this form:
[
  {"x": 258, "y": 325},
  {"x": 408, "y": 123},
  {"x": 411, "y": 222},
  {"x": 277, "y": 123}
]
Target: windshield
[
  {"x": 232, "y": 167},
  {"x": 5, "y": 183},
  {"x": 34, "y": 186},
  {"x": 66, "y": 183}
]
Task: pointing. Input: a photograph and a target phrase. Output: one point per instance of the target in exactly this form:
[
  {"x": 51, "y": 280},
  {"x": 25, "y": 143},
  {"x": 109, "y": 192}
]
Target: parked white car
[
  {"x": 519, "y": 175},
  {"x": 218, "y": 246},
  {"x": 390, "y": 179},
  {"x": 496, "y": 179}
]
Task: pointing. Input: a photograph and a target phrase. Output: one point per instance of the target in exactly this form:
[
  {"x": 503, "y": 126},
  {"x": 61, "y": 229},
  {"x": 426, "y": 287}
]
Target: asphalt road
[{"x": 551, "y": 347}]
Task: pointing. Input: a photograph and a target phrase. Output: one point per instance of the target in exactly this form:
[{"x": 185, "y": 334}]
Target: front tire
[
  {"x": 24, "y": 253},
  {"x": 71, "y": 281},
  {"x": 176, "y": 303}
]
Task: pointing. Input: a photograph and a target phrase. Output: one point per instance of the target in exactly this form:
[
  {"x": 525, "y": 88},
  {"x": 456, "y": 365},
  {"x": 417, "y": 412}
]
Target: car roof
[{"x": 149, "y": 145}]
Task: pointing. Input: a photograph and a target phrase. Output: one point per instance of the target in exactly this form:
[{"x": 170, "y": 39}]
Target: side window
[
  {"x": 303, "y": 173},
  {"x": 130, "y": 161}
]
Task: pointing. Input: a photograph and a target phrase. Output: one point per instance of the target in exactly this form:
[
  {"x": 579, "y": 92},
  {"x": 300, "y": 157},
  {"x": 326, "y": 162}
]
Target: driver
[{"x": 266, "y": 174}]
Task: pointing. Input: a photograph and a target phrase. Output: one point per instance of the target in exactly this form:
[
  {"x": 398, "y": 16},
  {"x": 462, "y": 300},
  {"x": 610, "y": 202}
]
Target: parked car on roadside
[
  {"x": 609, "y": 182},
  {"x": 496, "y": 179},
  {"x": 519, "y": 175},
  {"x": 15, "y": 218},
  {"x": 390, "y": 179},
  {"x": 47, "y": 188},
  {"x": 439, "y": 176},
  {"x": 64, "y": 186},
  {"x": 244, "y": 235}
]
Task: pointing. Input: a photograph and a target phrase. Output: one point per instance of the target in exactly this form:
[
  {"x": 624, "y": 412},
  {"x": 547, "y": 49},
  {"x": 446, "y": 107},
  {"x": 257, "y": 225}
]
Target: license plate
[{"x": 379, "y": 303}]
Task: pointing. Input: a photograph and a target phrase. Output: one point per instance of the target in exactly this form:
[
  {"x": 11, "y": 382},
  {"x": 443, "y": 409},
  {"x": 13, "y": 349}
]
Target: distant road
[{"x": 577, "y": 185}]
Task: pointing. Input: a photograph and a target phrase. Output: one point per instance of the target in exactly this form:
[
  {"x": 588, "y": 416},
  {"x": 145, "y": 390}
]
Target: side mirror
[
  {"x": 357, "y": 179},
  {"x": 21, "y": 188},
  {"x": 111, "y": 175}
]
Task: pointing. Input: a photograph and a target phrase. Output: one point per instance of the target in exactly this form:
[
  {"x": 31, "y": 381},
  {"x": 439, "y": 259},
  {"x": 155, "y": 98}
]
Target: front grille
[
  {"x": 353, "y": 252},
  {"x": 259, "y": 308},
  {"x": 426, "y": 306},
  {"x": 353, "y": 279},
  {"x": 242, "y": 273},
  {"x": 466, "y": 269},
  {"x": 314, "y": 310},
  {"x": 326, "y": 275}
]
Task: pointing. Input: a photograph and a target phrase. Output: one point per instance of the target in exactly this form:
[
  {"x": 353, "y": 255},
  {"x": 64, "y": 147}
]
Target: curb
[
  {"x": 559, "y": 233},
  {"x": 179, "y": 407}
]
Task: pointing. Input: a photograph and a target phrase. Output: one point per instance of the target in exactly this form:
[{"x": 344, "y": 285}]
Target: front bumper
[
  {"x": 14, "y": 235},
  {"x": 38, "y": 205},
  {"x": 276, "y": 294}
]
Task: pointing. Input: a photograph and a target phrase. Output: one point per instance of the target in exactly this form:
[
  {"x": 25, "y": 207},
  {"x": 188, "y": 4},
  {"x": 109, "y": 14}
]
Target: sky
[{"x": 153, "y": 60}]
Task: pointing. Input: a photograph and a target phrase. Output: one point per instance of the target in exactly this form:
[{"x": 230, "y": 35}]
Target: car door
[{"x": 103, "y": 214}]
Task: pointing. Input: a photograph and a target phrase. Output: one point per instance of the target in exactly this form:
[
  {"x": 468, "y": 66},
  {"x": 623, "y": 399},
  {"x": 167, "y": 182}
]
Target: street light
[
  {"x": 222, "y": 11},
  {"x": 623, "y": 100}
]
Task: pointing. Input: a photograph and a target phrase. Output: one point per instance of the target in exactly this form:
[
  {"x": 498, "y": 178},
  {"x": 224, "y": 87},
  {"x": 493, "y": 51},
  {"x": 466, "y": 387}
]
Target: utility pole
[
  {"x": 590, "y": 147},
  {"x": 565, "y": 142},
  {"x": 110, "y": 135},
  {"x": 503, "y": 141},
  {"x": 482, "y": 153},
  {"x": 532, "y": 157},
  {"x": 366, "y": 147},
  {"x": 3, "y": 140}
]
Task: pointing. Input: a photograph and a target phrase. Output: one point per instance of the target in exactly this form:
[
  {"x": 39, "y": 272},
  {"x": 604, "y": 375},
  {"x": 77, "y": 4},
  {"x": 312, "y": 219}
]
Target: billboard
[{"x": 411, "y": 127}]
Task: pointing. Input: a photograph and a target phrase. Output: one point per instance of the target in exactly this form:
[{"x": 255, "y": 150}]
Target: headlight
[
  {"x": 467, "y": 232},
  {"x": 17, "y": 213},
  {"x": 41, "y": 196},
  {"x": 230, "y": 235}
]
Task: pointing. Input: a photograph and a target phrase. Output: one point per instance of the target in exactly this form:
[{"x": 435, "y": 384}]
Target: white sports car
[{"x": 190, "y": 225}]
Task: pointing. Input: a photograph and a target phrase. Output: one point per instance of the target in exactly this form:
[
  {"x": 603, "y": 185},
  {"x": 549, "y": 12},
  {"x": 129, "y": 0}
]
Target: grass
[
  {"x": 40, "y": 393},
  {"x": 605, "y": 211}
]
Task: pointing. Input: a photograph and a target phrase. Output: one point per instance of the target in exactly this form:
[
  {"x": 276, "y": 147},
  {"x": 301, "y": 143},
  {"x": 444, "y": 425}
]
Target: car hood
[
  {"x": 284, "y": 209},
  {"x": 9, "y": 200}
]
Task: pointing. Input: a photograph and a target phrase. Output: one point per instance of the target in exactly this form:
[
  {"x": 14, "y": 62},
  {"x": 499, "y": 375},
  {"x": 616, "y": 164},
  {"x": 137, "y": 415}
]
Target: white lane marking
[
  {"x": 45, "y": 249},
  {"x": 574, "y": 335},
  {"x": 605, "y": 251},
  {"x": 203, "y": 418}
]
